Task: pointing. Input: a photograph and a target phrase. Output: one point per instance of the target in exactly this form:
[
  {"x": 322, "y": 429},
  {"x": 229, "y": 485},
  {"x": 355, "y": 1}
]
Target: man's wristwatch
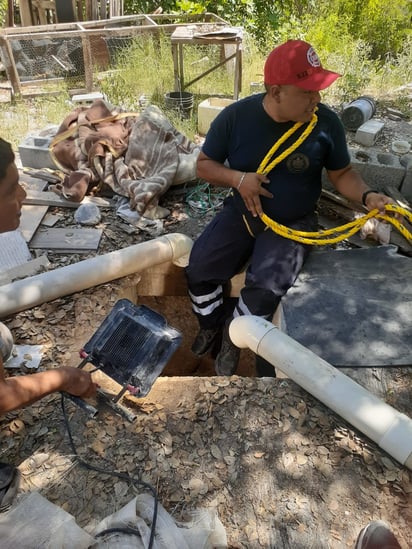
[{"x": 365, "y": 194}]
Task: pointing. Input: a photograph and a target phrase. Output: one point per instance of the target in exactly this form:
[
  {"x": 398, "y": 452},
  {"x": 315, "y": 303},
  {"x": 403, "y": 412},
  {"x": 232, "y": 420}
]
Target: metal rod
[{"x": 91, "y": 410}]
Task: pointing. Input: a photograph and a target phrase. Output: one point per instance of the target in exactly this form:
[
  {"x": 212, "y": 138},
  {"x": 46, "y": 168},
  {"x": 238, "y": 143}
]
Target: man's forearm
[
  {"x": 217, "y": 174},
  {"x": 351, "y": 185},
  {"x": 17, "y": 392}
]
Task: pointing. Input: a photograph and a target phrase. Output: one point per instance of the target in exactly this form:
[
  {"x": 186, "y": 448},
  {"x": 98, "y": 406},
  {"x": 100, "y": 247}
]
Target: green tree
[
  {"x": 3, "y": 12},
  {"x": 384, "y": 24}
]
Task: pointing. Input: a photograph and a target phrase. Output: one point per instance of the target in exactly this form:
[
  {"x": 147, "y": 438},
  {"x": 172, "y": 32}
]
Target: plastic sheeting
[
  {"x": 35, "y": 522},
  {"x": 203, "y": 530}
]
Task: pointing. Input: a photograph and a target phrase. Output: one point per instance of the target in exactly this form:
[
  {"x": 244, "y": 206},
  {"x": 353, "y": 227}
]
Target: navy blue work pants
[{"x": 225, "y": 247}]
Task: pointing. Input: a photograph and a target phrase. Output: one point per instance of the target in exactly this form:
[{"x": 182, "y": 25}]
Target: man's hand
[
  {"x": 251, "y": 189},
  {"x": 377, "y": 201},
  {"x": 78, "y": 382}
]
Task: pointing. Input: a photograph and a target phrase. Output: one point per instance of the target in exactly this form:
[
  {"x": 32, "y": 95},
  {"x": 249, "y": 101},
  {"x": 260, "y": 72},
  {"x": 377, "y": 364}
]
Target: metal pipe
[
  {"x": 390, "y": 429},
  {"x": 29, "y": 292}
]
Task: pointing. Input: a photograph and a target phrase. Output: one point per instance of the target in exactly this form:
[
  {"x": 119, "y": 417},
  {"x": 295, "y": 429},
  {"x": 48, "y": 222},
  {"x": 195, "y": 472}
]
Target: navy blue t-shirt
[{"x": 243, "y": 133}]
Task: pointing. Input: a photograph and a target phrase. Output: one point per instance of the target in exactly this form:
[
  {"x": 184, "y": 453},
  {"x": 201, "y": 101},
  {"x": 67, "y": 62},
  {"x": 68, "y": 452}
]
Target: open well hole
[
  {"x": 163, "y": 288},
  {"x": 177, "y": 310}
]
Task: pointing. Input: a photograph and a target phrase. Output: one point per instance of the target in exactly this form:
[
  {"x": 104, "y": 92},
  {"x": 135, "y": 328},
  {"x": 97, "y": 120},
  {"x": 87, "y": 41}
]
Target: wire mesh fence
[
  {"x": 47, "y": 58},
  {"x": 33, "y": 55}
]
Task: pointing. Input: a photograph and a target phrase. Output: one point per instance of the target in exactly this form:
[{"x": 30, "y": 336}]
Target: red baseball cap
[{"x": 296, "y": 63}]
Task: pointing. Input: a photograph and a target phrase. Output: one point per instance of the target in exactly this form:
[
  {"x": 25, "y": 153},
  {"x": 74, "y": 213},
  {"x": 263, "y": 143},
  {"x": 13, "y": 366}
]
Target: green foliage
[
  {"x": 186, "y": 6},
  {"x": 138, "y": 6},
  {"x": 3, "y": 12},
  {"x": 145, "y": 68},
  {"x": 384, "y": 24},
  {"x": 392, "y": 75},
  {"x": 130, "y": 77},
  {"x": 28, "y": 116},
  {"x": 354, "y": 38}
]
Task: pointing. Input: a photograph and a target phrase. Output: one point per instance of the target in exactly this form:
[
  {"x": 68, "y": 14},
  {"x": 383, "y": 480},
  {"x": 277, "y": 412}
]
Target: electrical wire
[
  {"x": 204, "y": 199},
  {"x": 123, "y": 476}
]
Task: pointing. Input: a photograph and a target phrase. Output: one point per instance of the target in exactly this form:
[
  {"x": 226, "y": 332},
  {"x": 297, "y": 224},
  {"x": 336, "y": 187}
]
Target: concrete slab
[{"x": 353, "y": 307}]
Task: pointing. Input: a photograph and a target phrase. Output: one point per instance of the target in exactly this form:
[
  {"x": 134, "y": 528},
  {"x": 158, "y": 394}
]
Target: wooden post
[
  {"x": 10, "y": 66},
  {"x": 79, "y": 9},
  {"x": 176, "y": 67},
  {"x": 115, "y": 8},
  {"x": 181, "y": 69},
  {"x": 88, "y": 63},
  {"x": 25, "y": 13},
  {"x": 238, "y": 71},
  {"x": 10, "y": 14},
  {"x": 89, "y": 10},
  {"x": 92, "y": 11}
]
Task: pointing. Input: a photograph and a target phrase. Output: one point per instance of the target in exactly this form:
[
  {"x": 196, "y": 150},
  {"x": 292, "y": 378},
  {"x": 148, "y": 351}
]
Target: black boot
[
  {"x": 204, "y": 341},
  {"x": 228, "y": 358},
  {"x": 264, "y": 368}
]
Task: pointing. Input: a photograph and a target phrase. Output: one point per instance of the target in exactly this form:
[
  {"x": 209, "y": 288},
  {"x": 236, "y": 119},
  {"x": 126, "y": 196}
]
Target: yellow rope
[
  {"x": 265, "y": 167},
  {"x": 321, "y": 238}
]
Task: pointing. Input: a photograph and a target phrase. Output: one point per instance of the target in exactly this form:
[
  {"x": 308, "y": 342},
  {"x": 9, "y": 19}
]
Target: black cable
[
  {"x": 123, "y": 476},
  {"x": 126, "y": 530}
]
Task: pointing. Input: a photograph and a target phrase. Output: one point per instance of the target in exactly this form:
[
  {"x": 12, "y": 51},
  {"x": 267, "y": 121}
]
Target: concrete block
[
  {"x": 34, "y": 152},
  {"x": 377, "y": 168},
  {"x": 208, "y": 110},
  {"x": 87, "y": 98},
  {"x": 406, "y": 187},
  {"x": 368, "y": 133}
]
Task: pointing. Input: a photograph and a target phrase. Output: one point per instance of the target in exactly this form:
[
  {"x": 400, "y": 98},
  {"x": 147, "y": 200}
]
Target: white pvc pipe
[
  {"x": 29, "y": 292},
  {"x": 390, "y": 429}
]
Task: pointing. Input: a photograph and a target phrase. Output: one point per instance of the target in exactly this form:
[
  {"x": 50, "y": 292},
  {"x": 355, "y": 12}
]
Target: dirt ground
[{"x": 281, "y": 470}]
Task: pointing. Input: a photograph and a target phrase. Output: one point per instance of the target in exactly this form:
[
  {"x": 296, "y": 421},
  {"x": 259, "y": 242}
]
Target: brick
[
  {"x": 367, "y": 133},
  {"x": 87, "y": 98}
]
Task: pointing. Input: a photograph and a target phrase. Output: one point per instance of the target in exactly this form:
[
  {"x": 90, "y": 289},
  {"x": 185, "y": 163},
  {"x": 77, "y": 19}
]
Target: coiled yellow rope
[
  {"x": 323, "y": 237},
  {"x": 329, "y": 236}
]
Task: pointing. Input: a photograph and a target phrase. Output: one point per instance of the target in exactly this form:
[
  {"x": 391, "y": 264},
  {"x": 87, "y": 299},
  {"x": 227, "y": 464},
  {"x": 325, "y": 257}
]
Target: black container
[
  {"x": 182, "y": 102},
  {"x": 358, "y": 112}
]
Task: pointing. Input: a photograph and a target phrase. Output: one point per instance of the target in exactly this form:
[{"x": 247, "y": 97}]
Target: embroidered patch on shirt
[{"x": 297, "y": 163}]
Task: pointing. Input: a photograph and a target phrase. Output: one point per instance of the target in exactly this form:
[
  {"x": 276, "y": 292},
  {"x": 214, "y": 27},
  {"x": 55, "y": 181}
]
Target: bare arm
[
  {"x": 248, "y": 184},
  {"x": 351, "y": 185},
  {"x": 17, "y": 392}
]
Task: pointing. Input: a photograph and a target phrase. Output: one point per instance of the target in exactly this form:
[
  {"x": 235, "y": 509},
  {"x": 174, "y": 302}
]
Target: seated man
[
  {"x": 19, "y": 391},
  {"x": 270, "y": 148}
]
